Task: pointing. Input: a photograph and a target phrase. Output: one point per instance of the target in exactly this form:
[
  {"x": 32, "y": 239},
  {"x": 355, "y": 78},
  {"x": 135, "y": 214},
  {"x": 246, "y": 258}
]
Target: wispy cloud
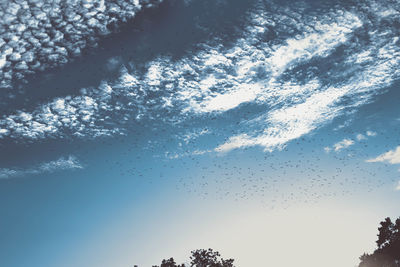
[
  {"x": 392, "y": 157},
  {"x": 194, "y": 134},
  {"x": 68, "y": 163},
  {"x": 345, "y": 143},
  {"x": 196, "y": 152},
  {"x": 398, "y": 186},
  {"x": 289, "y": 123},
  {"x": 361, "y": 137}
]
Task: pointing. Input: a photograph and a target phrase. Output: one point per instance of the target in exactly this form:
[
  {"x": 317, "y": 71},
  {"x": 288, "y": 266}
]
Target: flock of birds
[{"x": 302, "y": 172}]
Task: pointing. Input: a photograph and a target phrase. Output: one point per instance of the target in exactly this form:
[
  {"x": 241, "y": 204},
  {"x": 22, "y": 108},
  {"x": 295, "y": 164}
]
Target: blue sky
[{"x": 252, "y": 127}]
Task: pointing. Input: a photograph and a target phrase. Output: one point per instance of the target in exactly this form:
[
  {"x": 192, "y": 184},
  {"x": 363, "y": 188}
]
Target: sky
[{"x": 132, "y": 131}]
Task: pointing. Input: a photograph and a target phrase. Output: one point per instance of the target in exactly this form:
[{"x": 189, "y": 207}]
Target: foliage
[
  {"x": 209, "y": 258},
  {"x": 388, "y": 252},
  {"x": 201, "y": 258}
]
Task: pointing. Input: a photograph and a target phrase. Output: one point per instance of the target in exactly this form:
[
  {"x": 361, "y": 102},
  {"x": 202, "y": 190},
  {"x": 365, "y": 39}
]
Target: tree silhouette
[
  {"x": 385, "y": 233},
  {"x": 201, "y": 258},
  {"x": 209, "y": 258},
  {"x": 388, "y": 252},
  {"x": 169, "y": 263}
]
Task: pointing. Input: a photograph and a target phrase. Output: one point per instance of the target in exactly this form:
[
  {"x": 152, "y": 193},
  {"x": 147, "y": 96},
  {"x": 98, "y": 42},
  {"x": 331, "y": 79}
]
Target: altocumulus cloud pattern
[
  {"x": 36, "y": 35},
  {"x": 296, "y": 69}
]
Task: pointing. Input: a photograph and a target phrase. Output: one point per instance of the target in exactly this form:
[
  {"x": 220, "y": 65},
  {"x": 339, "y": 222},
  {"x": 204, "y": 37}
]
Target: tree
[
  {"x": 209, "y": 258},
  {"x": 388, "y": 252},
  {"x": 201, "y": 258},
  {"x": 385, "y": 233},
  {"x": 169, "y": 263}
]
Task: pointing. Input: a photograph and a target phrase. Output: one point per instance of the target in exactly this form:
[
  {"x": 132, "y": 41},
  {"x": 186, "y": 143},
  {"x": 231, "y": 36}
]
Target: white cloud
[
  {"x": 192, "y": 135},
  {"x": 289, "y": 123},
  {"x": 47, "y": 120},
  {"x": 227, "y": 101},
  {"x": 398, "y": 186},
  {"x": 345, "y": 143},
  {"x": 361, "y": 137},
  {"x": 50, "y": 33},
  {"x": 68, "y": 163},
  {"x": 71, "y": 162},
  {"x": 300, "y": 109},
  {"x": 392, "y": 156},
  {"x": 196, "y": 152},
  {"x": 238, "y": 141},
  {"x": 320, "y": 43},
  {"x": 244, "y": 85}
]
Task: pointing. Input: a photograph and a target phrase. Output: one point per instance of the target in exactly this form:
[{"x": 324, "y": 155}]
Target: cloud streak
[
  {"x": 392, "y": 157},
  {"x": 63, "y": 163},
  {"x": 398, "y": 186},
  {"x": 345, "y": 143}
]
